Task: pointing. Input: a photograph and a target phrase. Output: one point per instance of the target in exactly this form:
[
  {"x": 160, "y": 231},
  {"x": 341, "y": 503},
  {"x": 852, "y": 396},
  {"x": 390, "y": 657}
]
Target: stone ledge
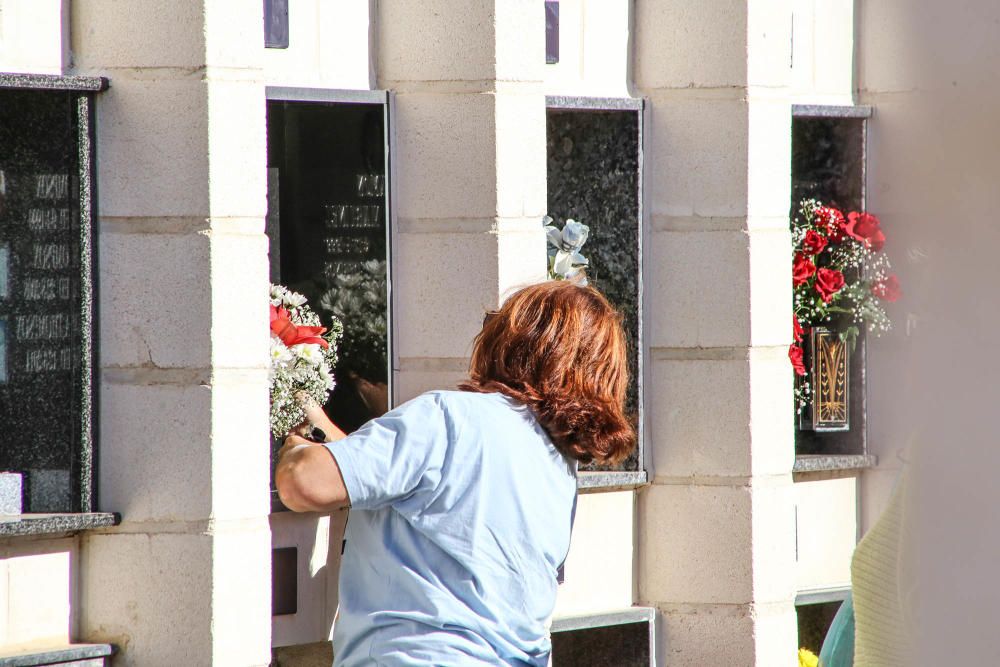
[
  {"x": 830, "y": 111},
  {"x": 40, "y": 524},
  {"x": 610, "y": 480},
  {"x": 83, "y": 655},
  {"x": 87, "y": 84},
  {"x": 604, "y": 619},
  {"x": 822, "y": 462}
]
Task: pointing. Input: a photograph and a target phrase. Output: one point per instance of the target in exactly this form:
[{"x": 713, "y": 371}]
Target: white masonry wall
[
  {"x": 183, "y": 334},
  {"x": 716, "y": 528},
  {"x": 594, "y": 56},
  {"x": 822, "y": 58},
  {"x": 329, "y": 46}
]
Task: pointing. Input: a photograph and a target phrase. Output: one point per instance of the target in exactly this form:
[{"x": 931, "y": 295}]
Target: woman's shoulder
[{"x": 457, "y": 399}]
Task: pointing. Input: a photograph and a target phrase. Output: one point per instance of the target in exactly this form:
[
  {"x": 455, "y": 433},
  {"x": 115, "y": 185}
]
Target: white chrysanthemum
[
  {"x": 278, "y": 295},
  {"x": 309, "y": 353},
  {"x": 327, "y": 374},
  {"x": 281, "y": 356},
  {"x": 294, "y": 299}
]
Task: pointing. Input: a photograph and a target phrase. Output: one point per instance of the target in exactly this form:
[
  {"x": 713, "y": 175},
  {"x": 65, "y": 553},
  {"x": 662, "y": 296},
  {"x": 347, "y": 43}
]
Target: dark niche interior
[
  {"x": 42, "y": 414},
  {"x": 329, "y": 237},
  {"x": 593, "y": 178},
  {"x": 814, "y": 621},
  {"x": 624, "y": 645},
  {"x": 828, "y": 162}
]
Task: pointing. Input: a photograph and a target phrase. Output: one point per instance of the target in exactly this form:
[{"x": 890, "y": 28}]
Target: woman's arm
[{"x": 308, "y": 477}]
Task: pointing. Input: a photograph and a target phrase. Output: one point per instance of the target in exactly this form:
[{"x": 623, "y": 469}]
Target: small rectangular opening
[
  {"x": 828, "y": 164},
  {"x": 284, "y": 581},
  {"x": 814, "y": 622},
  {"x": 624, "y": 645}
]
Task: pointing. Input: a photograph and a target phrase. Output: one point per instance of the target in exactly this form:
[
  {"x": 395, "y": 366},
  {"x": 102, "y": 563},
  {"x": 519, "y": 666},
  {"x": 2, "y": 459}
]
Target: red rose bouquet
[{"x": 840, "y": 279}]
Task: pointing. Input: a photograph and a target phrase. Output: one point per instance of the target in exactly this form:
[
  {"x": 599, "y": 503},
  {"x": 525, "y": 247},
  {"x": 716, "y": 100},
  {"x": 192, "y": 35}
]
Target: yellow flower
[{"x": 807, "y": 658}]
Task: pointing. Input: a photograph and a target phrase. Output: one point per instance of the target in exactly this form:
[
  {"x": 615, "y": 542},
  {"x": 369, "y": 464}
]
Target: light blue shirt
[{"x": 461, "y": 513}]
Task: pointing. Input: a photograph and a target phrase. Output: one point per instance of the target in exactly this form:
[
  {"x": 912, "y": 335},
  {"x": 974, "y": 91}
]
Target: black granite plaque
[
  {"x": 329, "y": 223},
  {"x": 44, "y": 291},
  {"x": 593, "y": 177}
]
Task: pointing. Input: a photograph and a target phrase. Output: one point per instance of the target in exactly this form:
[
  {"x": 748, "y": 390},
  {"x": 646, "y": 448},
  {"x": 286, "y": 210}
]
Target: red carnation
[
  {"x": 802, "y": 269},
  {"x": 795, "y": 356},
  {"x": 864, "y": 227},
  {"x": 888, "y": 289},
  {"x": 831, "y": 221},
  {"x": 828, "y": 283},
  {"x": 797, "y": 330},
  {"x": 813, "y": 243}
]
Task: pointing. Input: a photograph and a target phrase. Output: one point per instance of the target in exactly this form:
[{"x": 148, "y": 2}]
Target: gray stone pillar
[
  {"x": 716, "y": 527},
  {"x": 183, "y": 333}
]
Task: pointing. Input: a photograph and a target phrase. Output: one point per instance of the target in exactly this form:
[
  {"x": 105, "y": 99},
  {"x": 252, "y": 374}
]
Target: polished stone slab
[
  {"x": 820, "y": 462},
  {"x": 75, "y": 655},
  {"x": 41, "y": 524}
]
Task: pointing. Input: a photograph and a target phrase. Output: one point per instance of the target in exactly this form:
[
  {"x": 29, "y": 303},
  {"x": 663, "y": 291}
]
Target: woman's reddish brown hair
[{"x": 560, "y": 349}]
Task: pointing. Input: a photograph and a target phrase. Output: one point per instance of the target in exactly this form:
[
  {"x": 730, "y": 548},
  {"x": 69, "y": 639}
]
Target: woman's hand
[{"x": 316, "y": 417}]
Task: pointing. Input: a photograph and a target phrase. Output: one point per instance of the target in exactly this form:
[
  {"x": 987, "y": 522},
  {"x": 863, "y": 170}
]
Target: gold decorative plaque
[{"x": 831, "y": 409}]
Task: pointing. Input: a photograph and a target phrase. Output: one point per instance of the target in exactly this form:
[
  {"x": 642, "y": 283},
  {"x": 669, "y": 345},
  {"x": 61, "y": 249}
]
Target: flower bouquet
[
  {"x": 303, "y": 355},
  {"x": 565, "y": 260},
  {"x": 840, "y": 280}
]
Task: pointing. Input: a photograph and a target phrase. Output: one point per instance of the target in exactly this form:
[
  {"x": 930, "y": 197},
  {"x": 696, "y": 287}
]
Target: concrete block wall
[
  {"x": 822, "y": 60},
  {"x": 331, "y": 45},
  {"x": 38, "y": 591},
  {"x": 716, "y": 527},
  {"x": 469, "y": 172},
  {"x": 184, "y": 435},
  {"x": 594, "y": 50},
  {"x": 598, "y": 572}
]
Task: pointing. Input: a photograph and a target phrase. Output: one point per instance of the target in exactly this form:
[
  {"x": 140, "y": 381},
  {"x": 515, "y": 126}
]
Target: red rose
[
  {"x": 828, "y": 283},
  {"x": 888, "y": 289},
  {"x": 864, "y": 227},
  {"x": 831, "y": 221},
  {"x": 795, "y": 356},
  {"x": 802, "y": 269},
  {"x": 813, "y": 243},
  {"x": 797, "y": 330}
]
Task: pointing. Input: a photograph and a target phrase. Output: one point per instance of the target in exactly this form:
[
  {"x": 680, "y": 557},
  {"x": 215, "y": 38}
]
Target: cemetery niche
[
  {"x": 45, "y": 299},
  {"x": 828, "y": 164},
  {"x": 594, "y": 178},
  {"x": 327, "y": 224}
]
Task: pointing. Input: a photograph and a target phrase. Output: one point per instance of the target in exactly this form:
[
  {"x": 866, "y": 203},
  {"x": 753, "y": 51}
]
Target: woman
[{"x": 463, "y": 500}]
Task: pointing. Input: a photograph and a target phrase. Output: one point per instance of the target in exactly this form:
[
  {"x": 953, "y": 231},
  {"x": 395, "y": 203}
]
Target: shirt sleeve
[{"x": 394, "y": 456}]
